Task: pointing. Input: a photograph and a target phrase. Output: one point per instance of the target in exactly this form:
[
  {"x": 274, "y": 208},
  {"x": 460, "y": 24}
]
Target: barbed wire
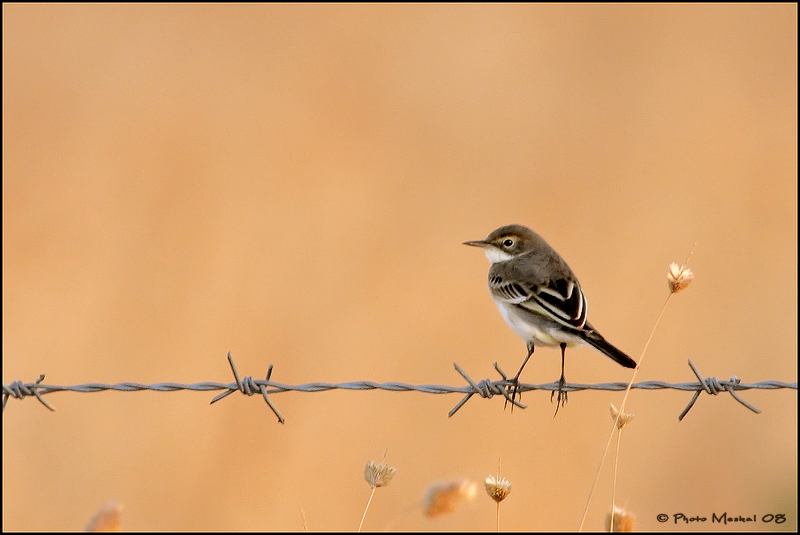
[{"x": 486, "y": 388}]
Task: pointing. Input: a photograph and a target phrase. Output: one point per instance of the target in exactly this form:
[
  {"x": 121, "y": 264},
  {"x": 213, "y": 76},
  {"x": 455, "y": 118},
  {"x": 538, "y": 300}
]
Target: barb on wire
[
  {"x": 713, "y": 386},
  {"x": 19, "y": 390},
  {"x": 250, "y": 387},
  {"x": 485, "y": 388}
]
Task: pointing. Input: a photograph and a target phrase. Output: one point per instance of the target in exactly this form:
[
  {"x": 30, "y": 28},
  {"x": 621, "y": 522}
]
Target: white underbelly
[{"x": 541, "y": 333}]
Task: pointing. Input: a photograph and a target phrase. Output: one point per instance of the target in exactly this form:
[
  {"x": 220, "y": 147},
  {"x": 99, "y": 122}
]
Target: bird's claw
[{"x": 561, "y": 400}]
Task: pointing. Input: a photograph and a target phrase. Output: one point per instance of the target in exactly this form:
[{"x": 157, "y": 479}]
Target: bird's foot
[
  {"x": 561, "y": 400},
  {"x": 514, "y": 392}
]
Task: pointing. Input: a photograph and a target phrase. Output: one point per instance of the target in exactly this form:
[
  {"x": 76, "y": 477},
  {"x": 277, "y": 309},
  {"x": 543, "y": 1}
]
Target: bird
[{"x": 540, "y": 298}]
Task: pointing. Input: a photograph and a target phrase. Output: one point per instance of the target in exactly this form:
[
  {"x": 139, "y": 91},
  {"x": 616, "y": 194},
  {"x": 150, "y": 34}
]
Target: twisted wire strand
[{"x": 485, "y": 388}]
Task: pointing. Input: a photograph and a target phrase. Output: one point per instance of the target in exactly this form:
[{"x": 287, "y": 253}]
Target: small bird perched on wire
[{"x": 540, "y": 298}]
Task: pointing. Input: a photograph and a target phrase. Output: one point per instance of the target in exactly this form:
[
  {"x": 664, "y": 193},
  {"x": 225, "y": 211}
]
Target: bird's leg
[
  {"x": 561, "y": 400},
  {"x": 516, "y": 378}
]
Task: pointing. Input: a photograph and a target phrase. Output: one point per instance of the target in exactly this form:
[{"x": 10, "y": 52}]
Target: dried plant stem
[
  {"x": 498, "y": 489},
  {"x": 675, "y": 286},
  {"x": 614, "y": 486},
  {"x": 303, "y": 517},
  {"x": 371, "y": 494},
  {"x": 499, "y": 471},
  {"x": 621, "y": 410}
]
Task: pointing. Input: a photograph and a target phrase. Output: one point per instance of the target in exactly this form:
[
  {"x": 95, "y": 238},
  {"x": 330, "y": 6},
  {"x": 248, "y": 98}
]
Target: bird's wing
[{"x": 560, "y": 299}]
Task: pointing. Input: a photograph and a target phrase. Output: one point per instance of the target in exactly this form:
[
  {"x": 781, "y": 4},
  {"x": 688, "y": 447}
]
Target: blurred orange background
[{"x": 292, "y": 183}]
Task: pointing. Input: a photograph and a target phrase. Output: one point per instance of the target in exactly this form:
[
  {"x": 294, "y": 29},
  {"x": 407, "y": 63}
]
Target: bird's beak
[{"x": 477, "y": 243}]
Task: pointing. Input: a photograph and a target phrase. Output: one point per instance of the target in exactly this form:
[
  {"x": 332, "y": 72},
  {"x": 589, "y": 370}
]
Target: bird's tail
[{"x": 596, "y": 340}]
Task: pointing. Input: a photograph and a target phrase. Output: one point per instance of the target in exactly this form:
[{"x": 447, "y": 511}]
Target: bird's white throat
[{"x": 495, "y": 255}]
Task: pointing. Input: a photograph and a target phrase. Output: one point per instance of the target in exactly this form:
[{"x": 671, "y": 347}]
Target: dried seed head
[
  {"x": 678, "y": 277},
  {"x": 108, "y": 518},
  {"x": 624, "y": 521},
  {"x": 497, "y": 488},
  {"x": 378, "y": 474},
  {"x": 623, "y": 420},
  {"x": 443, "y": 497}
]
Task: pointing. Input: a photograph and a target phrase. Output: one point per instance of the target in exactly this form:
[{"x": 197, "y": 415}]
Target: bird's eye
[{"x": 508, "y": 242}]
